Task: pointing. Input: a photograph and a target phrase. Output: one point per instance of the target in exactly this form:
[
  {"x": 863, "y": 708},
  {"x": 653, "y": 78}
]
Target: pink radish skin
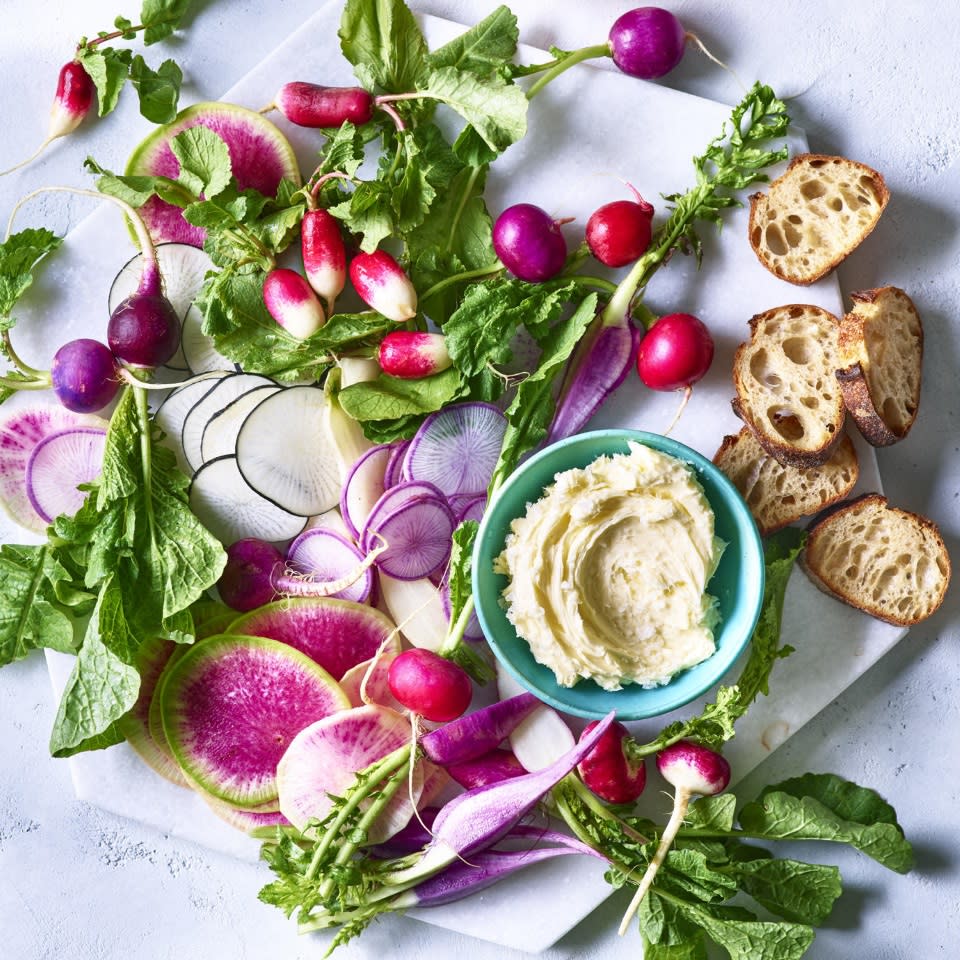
[
  {"x": 675, "y": 353},
  {"x": 290, "y": 300},
  {"x": 324, "y": 255},
  {"x": 311, "y": 105},
  {"x": 383, "y": 286},
  {"x": 619, "y": 232},
  {"x": 529, "y": 243},
  {"x": 84, "y": 375},
  {"x": 411, "y": 354},
  {"x": 692, "y": 770},
  {"x": 647, "y": 42},
  {"x": 432, "y": 687},
  {"x": 608, "y": 771},
  {"x": 71, "y": 102}
]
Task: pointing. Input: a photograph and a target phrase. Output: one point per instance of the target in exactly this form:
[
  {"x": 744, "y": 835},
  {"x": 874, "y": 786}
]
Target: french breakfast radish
[
  {"x": 432, "y": 687},
  {"x": 312, "y": 105},
  {"x": 529, "y": 243},
  {"x": 324, "y": 255},
  {"x": 619, "y": 232},
  {"x": 84, "y": 375},
  {"x": 411, "y": 354},
  {"x": 608, "y": 771},
  {"x": 647, "y": 42},
  {"x": 382, "y": 285},
  {"x": 291, "y": 301}
]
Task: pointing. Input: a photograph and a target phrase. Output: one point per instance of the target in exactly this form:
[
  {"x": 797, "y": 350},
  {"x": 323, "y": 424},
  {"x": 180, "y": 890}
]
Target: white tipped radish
[
  {"x": 290, "y": 300},
  {"x": 692, "y": 770},
  {"x": 59, "y": 464},
  {"x": 411, "y": 354},
  {"x": 324, "y": 255},
  {"x": 382, "y": 285}
]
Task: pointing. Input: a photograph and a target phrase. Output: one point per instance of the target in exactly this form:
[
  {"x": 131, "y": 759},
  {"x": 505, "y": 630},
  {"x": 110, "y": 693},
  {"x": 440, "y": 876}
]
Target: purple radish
[
  {"x": 368, "y": 682},
  {"x": 84, "y": 375},
  {"x": 609, "y": 771},
  {"x": 647, "y": 42},
  {"x": 398, "y": 495},
  {"x": 619, "y": 232},
  {"x": 247, "y": 581},
  {"x": 394, "y": 471},
  {"x": 692, "y": 770},
  {"x": 290, "y": 300},
  {"x": 412, "y": 838},
  {"x": 59, "y": 464},
  {"x": 324, "y": 255},
  {"x": 320, "y": 557},
  {"x": 432, "y": 687},
  {"x": 416, "y": 538},
  {"x": 364, "y": 486},
  {"x": 415, "y": 605},
  {"x": 457, "y": 448},
  {"x": 411, "y": 354},
  {"x": 311, "y": 105},
  {"x": 529, "y": 243},
  {"x": 336, "y": 634},
  {"x": 492, "y": 767},
  {"x": 383, "y": 286},
  {"x": 231, "y": 706},
  {"x": 322, "y": 760},
  {"x": 469, "y": 508}
]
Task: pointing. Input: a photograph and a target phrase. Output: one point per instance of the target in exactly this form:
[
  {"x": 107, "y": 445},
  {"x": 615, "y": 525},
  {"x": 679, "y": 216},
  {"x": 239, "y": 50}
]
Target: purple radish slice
[
  {"x": 232, "y": 705},
  {"x": 232, "y": 510},
  {"x": 324, "y": 759},
  {"x": 457, "y": 448},
  {"x": 399, "y": 495},
  {"x": 417, "y": 537},
  {"x": 20, "y": 432},
  {"x": 199, "y": 351},
  {"x": 219, "y": 438},
  {"x": 364, "y": 486},
  {"x": 260, "y": 157},
  {"x": 322, "y": 555},
  {"x": 367, "y": 682},
  {"x": 416, "y": 608},
  {"x": 468, "y": 507},
  {"x": 59, "y": 464},
  {"x": 337, "y": 634},
  {"x": 394, "y": 472}
]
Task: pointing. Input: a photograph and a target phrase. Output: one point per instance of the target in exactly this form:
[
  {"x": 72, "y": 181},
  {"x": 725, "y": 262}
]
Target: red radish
[
  {"x": 529, "y": 243},
  {"x": 247, "y": 579},
  {"x": 608, "y": 771},
  {"x": 290, "y": 300},
  {"x": 411, "y": 354},
  {"x": 311, "y": 105},
  {"x": 426, "y": 683},
  {"x": 59, "y": 464},
  {"x": 619, "y": 232},
  {"x": 324, "y": 255},
  {"x": 647, "y": 42},
  {"x": 693, "y": 770},
  {"x": 382, "y": 285},
  {"x": 84, "y": 375},
  {"x": 675, "y": 352}
]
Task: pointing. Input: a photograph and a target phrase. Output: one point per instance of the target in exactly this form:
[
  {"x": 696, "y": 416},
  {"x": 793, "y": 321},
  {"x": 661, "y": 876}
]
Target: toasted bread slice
[
  {"x": 786, "y": 387},
  {"x": 881, "y": 354},
  {"x": 778, "y": 495},
  {"x": 887, "y": 562},
  {"x": 814, "y": 215}
]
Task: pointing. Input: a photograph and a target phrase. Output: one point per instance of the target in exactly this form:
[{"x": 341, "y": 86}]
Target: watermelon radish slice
[
  {"x": 324, "y": 758},
  {"x": 249, "y": 821},
  {"x": 260, "y": 155},
  {"x": 232, "y": 705},
  {"x": 337, "y": 634},
  {"x": 368, "y": 682}
]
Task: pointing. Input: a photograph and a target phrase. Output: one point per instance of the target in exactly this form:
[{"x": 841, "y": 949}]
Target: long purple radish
[
  {"x": 320, "y": 556},
  {"x": 492, "y": 767},
  {"x": 57, "y": 467},
  {"x": 232, "y": 705}
]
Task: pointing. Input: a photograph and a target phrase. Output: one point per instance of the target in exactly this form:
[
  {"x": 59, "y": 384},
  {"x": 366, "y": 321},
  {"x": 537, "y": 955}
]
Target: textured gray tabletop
[{"x": 879, "y": 87}]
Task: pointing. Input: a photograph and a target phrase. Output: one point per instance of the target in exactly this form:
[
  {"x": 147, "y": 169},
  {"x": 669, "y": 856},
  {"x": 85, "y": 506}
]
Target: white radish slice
[
  {"x": 59, "y": 464},
  {"x": 457, "y": 448},
  {"x": 220, "y": 433},
  {"x": 348, "y": 437},
  {"x": 173, "y": 411},
  {"x": 232, "y": 510},
  {"x": 222, "y": 393},
  {"x": 20, "y": 432},
  {"x": 368, "y": 682},
  {"x": 323, "y": 555},
  {"x": 322, "y": 760},
  {"x": 198, "y": 349},
  {"x": 330, "y": 520},
  {"x": 286, "y": 453},
  {"x": 363, "y": 487},
  {"x": 416, "y": 607},
  {"x": 418, "y": 539}
]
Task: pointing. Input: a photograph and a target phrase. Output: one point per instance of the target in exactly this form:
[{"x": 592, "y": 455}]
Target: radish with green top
[
  {"x": 529, "y": 243},
  {"x": 324, "y": 255},
  {"x": 382, "y": 285},
  {"x": 84, "y": 375},
  {"x": 609, "y": 771},
  {"x": 647, "y": 42},
  {"x": 693, "y": 770},
  {"x": 619, "y": 232},
  {"x": 290, "y": 300},
  {"x": 430, "y": 686},
  {"x": 312, "y": 105},
  {"x": 411, "y": 354}
]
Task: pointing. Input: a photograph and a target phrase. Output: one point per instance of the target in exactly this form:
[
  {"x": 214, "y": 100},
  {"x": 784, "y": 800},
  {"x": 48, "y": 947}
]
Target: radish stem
[
  {"x": 565, "y": 63},
  {"x": 460, "y": 277}
]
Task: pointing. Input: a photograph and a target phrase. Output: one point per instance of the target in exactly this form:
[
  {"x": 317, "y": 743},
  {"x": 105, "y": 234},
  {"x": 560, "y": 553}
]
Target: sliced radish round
[
  {"x": 468, "y": 507},
  {"x": 323, "y": 759},
  {"x": 59, "y": 464},
  {"x": 364, "y": 486},
  {"x": 400, "y": 495},
  {"x": 220, "y": 433},
  {"x": 232, "y": 510},
  {"x": 457, "y": 448},
  {"x": 249, "y": 821},
  {"x": 232, "y": 705},
  {"x": 173, "y": 411},
  {"x": 323, "y": 556},
  {"x": 394, "y": 472},
  {"x": 367, "y": 682},
  {"x": 417, "y": 537},
  {"x": 286, "y": 453},
  {"x": 199, "y": 352}
]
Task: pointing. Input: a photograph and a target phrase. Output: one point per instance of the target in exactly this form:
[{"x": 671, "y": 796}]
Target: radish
[
  {"x": 84, "y": 375},
  {"x": 311, "y": 105},
  {"x": 393, "y": 474},
  {"x": 432, "y": 687},
  {"x": 324, "y": 255},
  {"x": 247, "y": 579},
  {"x": 619, "y": 232},
  {"x": 416, "y": 608},
  {"x": 383, "y": 286},
  {"x": 321, "y": 559},
  {"x": 363, "y": 487},
  {"x": 647, "y": 42},
  {"x": 57, "y": 467},
  {"x": 416, "y": 537},
  {"x": 368, "y": 682},
  {"x": 529, "y": 243},
  {"x": 499, "y": 764},
  {"x": 219, "y": 432},
  {"x": 290, "y": 300},
  {"x": 608, "y": 770},
  {"x": 411, "y": 354},
  {"x": 249, "y": 821},
  {"x": 692, "y": 769}
]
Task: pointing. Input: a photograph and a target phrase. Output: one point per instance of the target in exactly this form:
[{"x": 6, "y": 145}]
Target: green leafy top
[{"x": 19, "y": 254}]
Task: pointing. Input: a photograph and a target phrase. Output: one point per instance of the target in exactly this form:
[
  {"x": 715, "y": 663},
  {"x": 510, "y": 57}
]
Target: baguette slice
[
  {"x": 778, "y": 495},
  {"x": 881, "y": 354},
  {"x": 814, "y": 215},
  {"x": 786, "y": 386},
  {"x": 887, "y": 562}
]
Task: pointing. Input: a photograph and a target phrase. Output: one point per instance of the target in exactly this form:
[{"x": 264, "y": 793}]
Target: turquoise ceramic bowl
[{"x": 737, "y": 583}]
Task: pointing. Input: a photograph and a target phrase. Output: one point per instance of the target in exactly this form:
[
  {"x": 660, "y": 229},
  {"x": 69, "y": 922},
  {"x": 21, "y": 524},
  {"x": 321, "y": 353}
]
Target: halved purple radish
[
  {"x": 457, "y": 448},
  {"x": 249, "y": 821},
  {"x": 364, "y": 486},
  {"x": 324, "y": 759},
  {"x": 260, "y": 157},
  {"x": 367, "y": 682},
  {"x": 232, "y": 510},
  {"x": 20, "y": 432},
  {"x": 321, "y": 556},
  {"x": 416, "y": 608},
  {"x": 59, "y": 464},
  {"x": 219, "y": 438},
  {"x": 232, "y": 705},
  {"x": 337, "y": 634},
  {"x": 416, "y": 536}
]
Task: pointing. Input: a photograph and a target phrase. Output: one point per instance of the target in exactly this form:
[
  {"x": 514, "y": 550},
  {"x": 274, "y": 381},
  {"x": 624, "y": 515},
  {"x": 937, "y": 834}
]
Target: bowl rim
[{"x": 750, "y": 548}]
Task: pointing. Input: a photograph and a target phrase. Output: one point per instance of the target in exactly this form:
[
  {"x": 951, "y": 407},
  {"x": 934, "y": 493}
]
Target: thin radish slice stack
[
  {"x": 173, "y": 411},
  {"x": 468, "y": 508},
  {"x": 457, "y": 448},
  {"x": 199, "y": 353},
  {"x": 393, "y": 499},
  {"x": 321, "y": 555},
  {"x": 417, "y": 609},
  {"x": 220, "y": 433},
  {"x": 58, "y": 465},
  {"x": 363, "y": 487},
  {"x": 394, "y": 472}
]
